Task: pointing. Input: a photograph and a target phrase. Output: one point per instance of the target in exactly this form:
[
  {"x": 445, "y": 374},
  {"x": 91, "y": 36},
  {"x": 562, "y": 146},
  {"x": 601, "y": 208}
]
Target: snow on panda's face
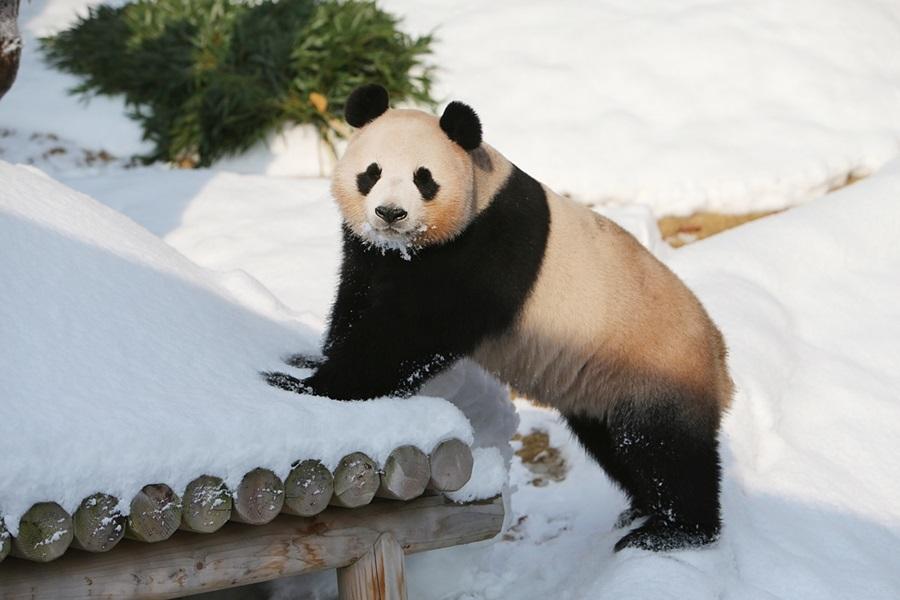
[{"x": 402, "y": 184}]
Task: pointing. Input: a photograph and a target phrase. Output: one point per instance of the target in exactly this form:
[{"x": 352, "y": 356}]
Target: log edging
[
  {"x": 46, "y": 530},
  {"x": 240, "y": 554}
]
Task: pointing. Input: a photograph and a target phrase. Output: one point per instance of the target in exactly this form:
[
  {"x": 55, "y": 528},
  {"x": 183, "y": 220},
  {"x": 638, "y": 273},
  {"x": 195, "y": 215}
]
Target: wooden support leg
[{"x": 377, "y": 575}]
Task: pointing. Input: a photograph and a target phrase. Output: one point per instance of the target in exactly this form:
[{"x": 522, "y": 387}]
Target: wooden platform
[{"x": 366, "y": 544}]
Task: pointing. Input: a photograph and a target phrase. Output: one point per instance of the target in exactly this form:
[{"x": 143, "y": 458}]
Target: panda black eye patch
[
  {"x": 428, "y": 187},
  {"x": 366, "y": 180}
]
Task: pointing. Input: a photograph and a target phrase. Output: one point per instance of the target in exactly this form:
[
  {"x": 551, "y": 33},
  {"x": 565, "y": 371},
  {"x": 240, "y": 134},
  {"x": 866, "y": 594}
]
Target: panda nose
[{"x": 390, "y": 213}]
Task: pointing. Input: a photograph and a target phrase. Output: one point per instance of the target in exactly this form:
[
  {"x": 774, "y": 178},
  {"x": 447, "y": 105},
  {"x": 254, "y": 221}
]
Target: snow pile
[
  {"x": 123, "y": 363},
  {"x": 685, "y": 105}
]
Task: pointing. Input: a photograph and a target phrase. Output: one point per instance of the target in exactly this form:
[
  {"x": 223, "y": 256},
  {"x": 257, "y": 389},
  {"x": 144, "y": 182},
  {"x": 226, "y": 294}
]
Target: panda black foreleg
[{"x": 384, "y": 354}]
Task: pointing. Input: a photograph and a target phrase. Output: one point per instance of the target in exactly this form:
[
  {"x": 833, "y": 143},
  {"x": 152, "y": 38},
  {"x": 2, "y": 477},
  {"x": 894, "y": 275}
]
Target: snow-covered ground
[{"x": 681, "y": 105}]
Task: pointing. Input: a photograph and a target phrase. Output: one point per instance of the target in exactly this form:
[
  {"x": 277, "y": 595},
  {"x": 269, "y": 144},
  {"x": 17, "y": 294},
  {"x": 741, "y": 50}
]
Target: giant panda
[{"x": 451, "y": 251}]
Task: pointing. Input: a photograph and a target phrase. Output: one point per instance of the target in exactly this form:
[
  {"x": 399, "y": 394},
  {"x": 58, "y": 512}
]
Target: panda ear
[
  {"x": 366, "y": 103},
  {"x": 462, "y": 125}
]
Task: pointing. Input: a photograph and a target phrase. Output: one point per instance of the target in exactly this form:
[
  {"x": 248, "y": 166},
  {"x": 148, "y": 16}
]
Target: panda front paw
[{"x": 286, "y": 382}]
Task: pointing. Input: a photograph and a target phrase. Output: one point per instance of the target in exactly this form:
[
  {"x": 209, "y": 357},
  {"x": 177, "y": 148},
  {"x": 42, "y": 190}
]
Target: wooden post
[
  {"x": 355, "y": 481},
  {"x": 451, "y": 466},
  {"x": 259, "y": 497},
  {"x": 307, "y": 489},
  {"x": 5, "y": 541},
  {"x": 207, "y": 505},
  {"x": 406, "y": 473},
  {"x": 10, "y": 44},
  {"x": 376, "y": 575},
  {"x": 155, "y": 514},
  {"x": 45, "y": 531},
  {"x": 98, "y": 523}
]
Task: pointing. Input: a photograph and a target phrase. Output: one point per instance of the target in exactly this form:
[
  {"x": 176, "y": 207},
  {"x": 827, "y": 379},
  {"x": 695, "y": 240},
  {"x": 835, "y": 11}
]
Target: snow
[
  {"x": 488, "y": 475},
  {"x": 126, "y": 364},
  {"x": 685, "y": 105},
  {"x": 682, "y": 106}
]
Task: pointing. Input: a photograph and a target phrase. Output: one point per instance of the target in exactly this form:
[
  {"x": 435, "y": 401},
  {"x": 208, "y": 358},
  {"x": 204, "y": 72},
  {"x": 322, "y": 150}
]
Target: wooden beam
[
  {"x": 377, "y": 575},
  {"x": 155, "y": 514},
  {"x": 355, "y": 481},
  {"x": 98, "y": 523},
  {"x": 405, "y": 474},
  {"x": 189, "y": 563},
  {"x": 45, "y": 531},
  {"x": 207, "y": 505},
  {"x": 451, "y": 466},
  {"x": 258, "y": 498},
  {"x": 307, "y": 489}
]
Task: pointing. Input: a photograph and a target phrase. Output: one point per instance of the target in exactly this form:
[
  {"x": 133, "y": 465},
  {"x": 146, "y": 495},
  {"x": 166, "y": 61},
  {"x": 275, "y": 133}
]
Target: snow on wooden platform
[{"x": 123, "y": 364}]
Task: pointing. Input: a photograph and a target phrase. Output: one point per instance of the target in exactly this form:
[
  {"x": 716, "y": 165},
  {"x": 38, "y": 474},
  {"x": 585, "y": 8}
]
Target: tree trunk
[{"x": 10, "y": 44}]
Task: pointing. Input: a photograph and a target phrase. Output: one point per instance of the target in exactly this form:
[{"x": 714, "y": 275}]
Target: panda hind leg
[
  {"x": 667, "y": 461},
  {"x": 596, "y": 439},
  {"x": 670, "y": 451}
]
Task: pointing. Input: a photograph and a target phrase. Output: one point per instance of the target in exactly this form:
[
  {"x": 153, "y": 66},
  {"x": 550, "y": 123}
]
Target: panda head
[{"x": 406, "y": 179}]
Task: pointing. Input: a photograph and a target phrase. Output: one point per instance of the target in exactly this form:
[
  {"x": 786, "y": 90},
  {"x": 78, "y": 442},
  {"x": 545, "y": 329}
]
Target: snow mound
[{"x": 123, "y": 363}]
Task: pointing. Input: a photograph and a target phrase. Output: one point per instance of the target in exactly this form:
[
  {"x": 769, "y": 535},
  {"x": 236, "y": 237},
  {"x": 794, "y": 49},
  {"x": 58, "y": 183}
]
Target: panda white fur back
[
  {"x": 452, "y": 251},
  {"x": 603, "y": 313}
]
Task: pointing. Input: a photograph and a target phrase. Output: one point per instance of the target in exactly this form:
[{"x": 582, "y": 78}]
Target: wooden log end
[
  {"x": 405, "y": 475},
  {"x": 259, "y": 497},
  {"x": 355, "y": 481},
  {"x": 45, "y": 532},
  {"x": 98, "y": 523},
  {"x": 155, "y": 514},
  {"x": 307, "y": 489},
  {"x": 207, "y": 505},
  {"x": 451, "y": 466}
]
